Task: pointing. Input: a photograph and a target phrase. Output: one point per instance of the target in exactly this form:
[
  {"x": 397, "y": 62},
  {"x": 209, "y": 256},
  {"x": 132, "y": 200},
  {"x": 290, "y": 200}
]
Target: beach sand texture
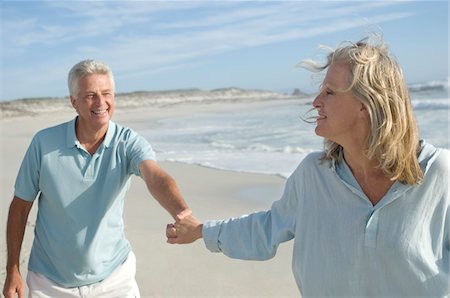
[{"x": 165, "y": 270}]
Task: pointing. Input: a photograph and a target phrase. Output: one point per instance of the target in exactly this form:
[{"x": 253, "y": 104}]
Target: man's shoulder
[
  {"x": 123, "y": 133},
  {"x": 52, "y": 132}
]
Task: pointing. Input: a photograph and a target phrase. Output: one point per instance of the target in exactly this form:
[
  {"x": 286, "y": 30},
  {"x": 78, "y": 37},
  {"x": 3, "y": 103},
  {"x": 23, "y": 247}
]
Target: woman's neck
[{"x": 370, "y": 178}]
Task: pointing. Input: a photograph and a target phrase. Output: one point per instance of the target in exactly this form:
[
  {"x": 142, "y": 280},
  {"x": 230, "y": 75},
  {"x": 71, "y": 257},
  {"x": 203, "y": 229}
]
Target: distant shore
[{"x": 43, "y": 105}]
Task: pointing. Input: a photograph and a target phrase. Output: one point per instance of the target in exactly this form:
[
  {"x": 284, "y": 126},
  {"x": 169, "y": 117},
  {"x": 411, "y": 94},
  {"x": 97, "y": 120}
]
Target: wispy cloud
[
  {"x": 89, "y": 19},
  {"x": 233, "y": 30},
  {"x": 155, "y": 36}
]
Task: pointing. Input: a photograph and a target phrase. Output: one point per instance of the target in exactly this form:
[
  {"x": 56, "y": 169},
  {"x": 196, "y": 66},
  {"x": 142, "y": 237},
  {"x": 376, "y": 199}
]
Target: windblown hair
[
  {"x": 87, "y": 67},
  {"x": 378, "y": 83}
]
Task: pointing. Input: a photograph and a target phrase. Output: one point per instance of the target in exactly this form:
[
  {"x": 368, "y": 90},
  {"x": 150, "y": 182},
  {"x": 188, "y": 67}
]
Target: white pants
[{"x": 120, "y": 284}]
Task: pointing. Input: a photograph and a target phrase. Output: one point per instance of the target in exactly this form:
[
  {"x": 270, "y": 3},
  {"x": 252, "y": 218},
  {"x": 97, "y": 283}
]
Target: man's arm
[
  {"x": 17, "y": 220},
  {"x": 164, "y": 189}
]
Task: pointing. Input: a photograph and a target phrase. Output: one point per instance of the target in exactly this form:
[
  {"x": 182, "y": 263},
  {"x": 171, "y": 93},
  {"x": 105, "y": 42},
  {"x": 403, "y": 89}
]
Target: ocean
[{"x": 274, "y": 139}]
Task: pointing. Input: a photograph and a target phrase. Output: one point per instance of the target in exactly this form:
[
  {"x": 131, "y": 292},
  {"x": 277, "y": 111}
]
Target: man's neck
[{"x": 90, "y": 138}]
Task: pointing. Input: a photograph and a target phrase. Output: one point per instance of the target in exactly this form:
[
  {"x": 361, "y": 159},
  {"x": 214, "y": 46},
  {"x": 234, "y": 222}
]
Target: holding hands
[{"x": 186, "y": 229}]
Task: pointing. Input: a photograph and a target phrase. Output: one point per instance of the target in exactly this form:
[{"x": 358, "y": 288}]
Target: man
[{"x": 80, "y": 171}]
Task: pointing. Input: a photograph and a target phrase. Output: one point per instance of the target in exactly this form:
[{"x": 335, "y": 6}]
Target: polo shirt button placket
[{"x": 89, "y": 172}]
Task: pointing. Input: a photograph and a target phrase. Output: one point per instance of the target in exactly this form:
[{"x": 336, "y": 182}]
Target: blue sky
[{"x": 161, "y": 45}]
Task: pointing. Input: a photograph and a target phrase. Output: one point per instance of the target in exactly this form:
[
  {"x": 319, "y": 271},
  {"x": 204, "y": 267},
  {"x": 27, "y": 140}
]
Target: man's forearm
[
  {"x": 164, "y": 189},
  {"x": 166, "y": 192},
  {"x": 17, "y": 220}
]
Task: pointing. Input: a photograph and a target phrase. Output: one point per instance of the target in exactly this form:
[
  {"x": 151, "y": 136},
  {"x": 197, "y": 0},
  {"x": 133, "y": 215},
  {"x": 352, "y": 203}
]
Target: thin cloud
[
  {"x": 89, "y": 19},
  {"x": 157, "y": 50},
  {"x": 153, "y": 37}
]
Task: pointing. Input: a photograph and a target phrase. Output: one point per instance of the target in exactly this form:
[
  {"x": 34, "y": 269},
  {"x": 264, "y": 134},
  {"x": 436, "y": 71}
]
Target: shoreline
[{"x": 211, "y": 193}]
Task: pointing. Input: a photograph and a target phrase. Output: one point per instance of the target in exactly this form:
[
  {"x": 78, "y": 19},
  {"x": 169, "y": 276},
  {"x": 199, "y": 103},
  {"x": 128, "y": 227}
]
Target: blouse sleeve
[{"x": 258, "y": 235}]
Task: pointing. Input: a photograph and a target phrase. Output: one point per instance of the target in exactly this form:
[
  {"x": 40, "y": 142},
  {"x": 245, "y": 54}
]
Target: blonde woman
[{"x": 370, "y": 215}]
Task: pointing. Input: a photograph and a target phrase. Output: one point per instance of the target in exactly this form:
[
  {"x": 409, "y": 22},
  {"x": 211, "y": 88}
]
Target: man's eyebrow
[{"x": 93, "y": 92}]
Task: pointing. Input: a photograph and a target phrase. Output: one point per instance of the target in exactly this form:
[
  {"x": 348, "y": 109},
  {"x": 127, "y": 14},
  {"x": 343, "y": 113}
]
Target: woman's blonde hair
[{"x": 378, "y": 82}]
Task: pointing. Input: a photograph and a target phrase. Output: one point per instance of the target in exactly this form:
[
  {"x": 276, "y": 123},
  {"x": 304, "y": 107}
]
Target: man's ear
[{"x": 73, "y": 101}]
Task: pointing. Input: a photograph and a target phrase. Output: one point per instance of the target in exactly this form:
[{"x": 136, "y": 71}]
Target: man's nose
[{"x": 99, "y": 97}]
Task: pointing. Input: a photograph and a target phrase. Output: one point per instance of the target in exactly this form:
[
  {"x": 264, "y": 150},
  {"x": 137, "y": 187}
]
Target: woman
[{"x": 370, "y": 215}]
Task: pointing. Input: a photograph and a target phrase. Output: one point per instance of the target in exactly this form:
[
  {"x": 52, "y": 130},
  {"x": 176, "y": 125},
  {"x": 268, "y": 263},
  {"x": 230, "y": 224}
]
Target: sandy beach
[{"x": 165, "y": 270}]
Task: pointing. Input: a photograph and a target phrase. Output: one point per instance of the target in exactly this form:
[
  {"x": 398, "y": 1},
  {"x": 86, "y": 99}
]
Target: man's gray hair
[{"x": 86, "y": 67}]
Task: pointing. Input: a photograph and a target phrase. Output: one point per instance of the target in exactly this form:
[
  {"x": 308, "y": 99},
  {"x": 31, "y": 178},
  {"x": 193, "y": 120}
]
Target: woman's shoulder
[
  {"x": 434, "y": 157},
  {"x": 312, "y": 160},
  {"x": 442, "y": 160}
]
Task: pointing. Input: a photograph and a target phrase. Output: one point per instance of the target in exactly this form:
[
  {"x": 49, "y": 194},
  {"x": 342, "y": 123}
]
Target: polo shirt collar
[
  {"x": 109, "y": 134},
  {"x": 71, "y": 137}
]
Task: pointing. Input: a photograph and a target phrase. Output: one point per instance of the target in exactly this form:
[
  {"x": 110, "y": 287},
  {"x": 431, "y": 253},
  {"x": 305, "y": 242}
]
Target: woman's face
[{"x": 342, "y": 117}]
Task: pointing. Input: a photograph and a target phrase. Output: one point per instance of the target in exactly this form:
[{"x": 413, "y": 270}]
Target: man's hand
[
  {"x": 17, "y": 220},
  {"x": 13, "y": 285},
  {"x": 185, "y": 230}
]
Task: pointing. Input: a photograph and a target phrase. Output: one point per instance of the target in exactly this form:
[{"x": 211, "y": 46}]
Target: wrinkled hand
[{"x": 186, "y": 229}]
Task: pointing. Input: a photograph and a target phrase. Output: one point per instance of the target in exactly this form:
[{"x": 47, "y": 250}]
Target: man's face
[{"x": 94, "y": 102}]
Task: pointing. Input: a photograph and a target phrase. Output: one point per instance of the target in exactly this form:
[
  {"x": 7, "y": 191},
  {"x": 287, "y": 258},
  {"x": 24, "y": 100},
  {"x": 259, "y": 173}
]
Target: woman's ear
[{"x": 363, "y": 110}]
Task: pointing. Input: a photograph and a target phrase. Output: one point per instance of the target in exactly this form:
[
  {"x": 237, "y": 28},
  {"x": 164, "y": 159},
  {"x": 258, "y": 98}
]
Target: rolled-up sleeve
[{"x": 211, "y": 231}]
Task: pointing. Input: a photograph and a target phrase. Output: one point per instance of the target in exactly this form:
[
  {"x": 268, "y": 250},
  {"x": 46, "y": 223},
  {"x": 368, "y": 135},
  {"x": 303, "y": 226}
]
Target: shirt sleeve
[
  {"x": 138, "y": 150},
  {"x": 27, "y": 181},
  {"x": 258, "y": 235}
]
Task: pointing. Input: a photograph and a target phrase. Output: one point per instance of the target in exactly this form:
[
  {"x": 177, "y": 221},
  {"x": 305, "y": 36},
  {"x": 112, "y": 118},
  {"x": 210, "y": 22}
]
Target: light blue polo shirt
[
  {"x": 79, "y": 233},
  {"x": 343, "y": 245}
]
